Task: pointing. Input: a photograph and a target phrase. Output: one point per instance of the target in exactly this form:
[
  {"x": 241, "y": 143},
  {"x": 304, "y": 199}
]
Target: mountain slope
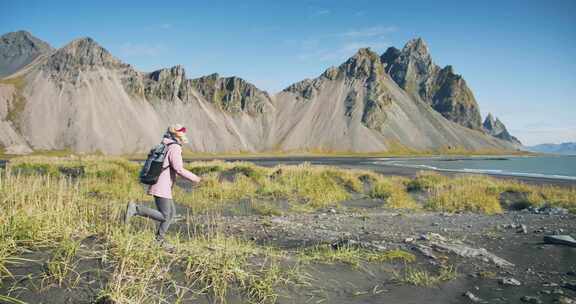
[
  {"x": 80, "y": 97},
  {"x": 17, "y": 49}
]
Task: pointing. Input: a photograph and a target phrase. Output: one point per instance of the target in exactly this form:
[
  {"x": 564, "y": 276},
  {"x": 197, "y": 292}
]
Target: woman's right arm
[{"x": 175, "y": 159}]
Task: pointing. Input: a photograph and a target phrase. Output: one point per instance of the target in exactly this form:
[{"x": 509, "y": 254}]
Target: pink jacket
[{"x": 163, "y": 187}]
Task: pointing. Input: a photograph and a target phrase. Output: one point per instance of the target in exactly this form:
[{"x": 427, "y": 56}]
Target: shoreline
[
  {"x": 387, "y": 169},
  {"x": 366, "y": 163}
]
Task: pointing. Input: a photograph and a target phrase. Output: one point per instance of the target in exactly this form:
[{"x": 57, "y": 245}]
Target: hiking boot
[{"x": 130, "y": 212}]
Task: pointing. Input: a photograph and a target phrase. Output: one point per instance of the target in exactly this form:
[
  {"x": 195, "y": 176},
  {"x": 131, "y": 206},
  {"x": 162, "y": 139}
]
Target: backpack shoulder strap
[{"x": 167, "y": 145}]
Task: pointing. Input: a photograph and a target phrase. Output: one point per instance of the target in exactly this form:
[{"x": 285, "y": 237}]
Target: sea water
[{"x": 561, "y": 167}]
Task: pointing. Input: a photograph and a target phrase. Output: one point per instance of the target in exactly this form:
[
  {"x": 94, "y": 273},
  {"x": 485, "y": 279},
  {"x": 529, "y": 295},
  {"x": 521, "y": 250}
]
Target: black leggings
[{"x": 164, "y": 215}]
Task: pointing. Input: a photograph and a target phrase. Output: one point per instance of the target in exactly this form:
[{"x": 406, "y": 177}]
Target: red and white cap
[{"x": 179, "y": 131}]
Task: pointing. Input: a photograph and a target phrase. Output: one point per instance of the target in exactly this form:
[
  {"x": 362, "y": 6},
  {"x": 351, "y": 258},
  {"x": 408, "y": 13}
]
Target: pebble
[
  {"x": 532, "y": 300},
  {"x": 509, "y": 281},
  {"x": 565, "y": 300},
  {"x": 522, "y": 229},
  {"x": 472, "y": 297},
  {"x": 547, "y": 210}
]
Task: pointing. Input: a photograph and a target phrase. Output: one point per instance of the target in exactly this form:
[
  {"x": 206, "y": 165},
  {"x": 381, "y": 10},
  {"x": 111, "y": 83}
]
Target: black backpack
[{"x": 153, "y": 166}]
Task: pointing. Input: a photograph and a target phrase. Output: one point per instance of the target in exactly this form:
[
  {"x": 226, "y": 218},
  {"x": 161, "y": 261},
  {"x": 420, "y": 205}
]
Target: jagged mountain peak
[
  {"x": 365, "y": 55},
  {"x": 176, "y": 71},
  {"x": 416, "y": 51},
  {"x": 493, "y": 126},
  {"x": 17, "y": 49},
  {"x": 364, "y": 64},
  {"x": 413, "y": 70},
  {"x": 449, "y": 70},
  {"x": 232, "y": 94},
  {"x": 81, "y": 54},
  {"x": 25, "y": 36},
  {"x": 489, "y": 119},
  {"x": 87, "y": 48},
  {"x": 416, "y": 45}
]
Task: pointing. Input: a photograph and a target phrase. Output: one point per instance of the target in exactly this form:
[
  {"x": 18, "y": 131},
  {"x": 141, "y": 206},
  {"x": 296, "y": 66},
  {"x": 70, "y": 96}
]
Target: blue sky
[{"x": 517, "y": 56}]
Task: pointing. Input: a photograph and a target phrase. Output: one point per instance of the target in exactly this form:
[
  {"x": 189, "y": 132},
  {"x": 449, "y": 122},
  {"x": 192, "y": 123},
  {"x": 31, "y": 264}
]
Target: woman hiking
[{"x": 174, "y": 137}]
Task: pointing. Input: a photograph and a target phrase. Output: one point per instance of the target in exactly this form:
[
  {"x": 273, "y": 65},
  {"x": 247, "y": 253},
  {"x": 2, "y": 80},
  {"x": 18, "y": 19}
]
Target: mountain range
[
  {"x": 82, "y": 98},
  {"x": 567, "y": 148}
]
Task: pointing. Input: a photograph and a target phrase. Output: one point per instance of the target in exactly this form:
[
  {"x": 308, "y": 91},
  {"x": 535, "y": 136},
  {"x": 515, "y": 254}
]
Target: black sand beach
[{"x": 367, "y": 163}]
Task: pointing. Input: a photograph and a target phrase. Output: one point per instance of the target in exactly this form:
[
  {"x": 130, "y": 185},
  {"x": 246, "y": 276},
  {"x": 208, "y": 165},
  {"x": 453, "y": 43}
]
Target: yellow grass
[
  {"x": 393, "y": 191},
  {"x": 52, "y": 210},
  {"x": 480, "y": 193}
]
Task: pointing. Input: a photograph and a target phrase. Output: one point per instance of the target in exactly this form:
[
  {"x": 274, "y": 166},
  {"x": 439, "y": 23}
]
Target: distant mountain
[
  {"x": 18, "y": 49},
  {"x": 567, "y": 148},
  {"x": 496, "y": 128},
  {"x": 80, "y": 97}
]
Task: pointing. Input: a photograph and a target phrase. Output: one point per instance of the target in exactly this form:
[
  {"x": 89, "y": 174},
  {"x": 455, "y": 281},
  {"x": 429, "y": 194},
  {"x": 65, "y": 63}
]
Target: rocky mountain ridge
[
  {"x": 81, "y": 97},
  {"x": 413, "y": 70},
  {"x": 496, "y": 128},
  {"x": 17, "y": 49}
]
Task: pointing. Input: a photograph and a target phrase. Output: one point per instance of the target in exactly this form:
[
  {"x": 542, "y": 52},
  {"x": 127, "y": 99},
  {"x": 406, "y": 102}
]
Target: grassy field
[{"x": 55, "y": 204}]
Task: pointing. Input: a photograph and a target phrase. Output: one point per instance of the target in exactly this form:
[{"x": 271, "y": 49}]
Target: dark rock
[
  {"x": 426, "y": 251},
  {"x": 560, "y": 240},
  {"x": 570, "y": 285},
  {"x": 530, "y": 299},
  {"x": 469, "y": 252},
  {"x": 522, "y": 229}
]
